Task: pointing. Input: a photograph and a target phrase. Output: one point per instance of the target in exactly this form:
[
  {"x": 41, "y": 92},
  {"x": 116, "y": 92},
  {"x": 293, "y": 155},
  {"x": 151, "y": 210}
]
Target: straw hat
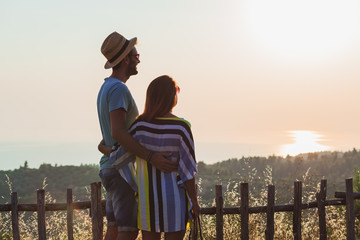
[{"x": 115, "y": 48}]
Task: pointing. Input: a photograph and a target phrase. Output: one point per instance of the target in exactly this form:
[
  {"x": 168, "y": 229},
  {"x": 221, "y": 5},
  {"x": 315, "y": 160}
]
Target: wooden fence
[{"x": 97, "y": 207}]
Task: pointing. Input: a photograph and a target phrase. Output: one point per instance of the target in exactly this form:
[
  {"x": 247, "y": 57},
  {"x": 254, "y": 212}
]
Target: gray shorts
[{"x": 121, "y": 203}]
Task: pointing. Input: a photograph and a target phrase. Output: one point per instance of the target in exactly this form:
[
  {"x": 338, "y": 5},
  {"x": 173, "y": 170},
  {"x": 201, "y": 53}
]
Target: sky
[{"x": 253, "y": 74}]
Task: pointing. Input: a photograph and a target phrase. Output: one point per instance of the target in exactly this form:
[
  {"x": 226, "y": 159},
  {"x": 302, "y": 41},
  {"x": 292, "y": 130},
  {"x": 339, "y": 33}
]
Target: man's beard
[{"x": 131, "y": 70}]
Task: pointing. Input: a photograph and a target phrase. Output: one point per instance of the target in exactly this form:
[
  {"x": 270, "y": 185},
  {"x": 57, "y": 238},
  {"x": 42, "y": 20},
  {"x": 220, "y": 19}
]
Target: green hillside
[
  {"x": 258, "y": 171},
  {"x": 25, "y": 181}
]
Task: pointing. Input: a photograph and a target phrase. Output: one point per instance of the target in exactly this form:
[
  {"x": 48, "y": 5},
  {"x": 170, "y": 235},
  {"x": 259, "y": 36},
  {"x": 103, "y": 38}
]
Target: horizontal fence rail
[{"x": 97, "y": 210}]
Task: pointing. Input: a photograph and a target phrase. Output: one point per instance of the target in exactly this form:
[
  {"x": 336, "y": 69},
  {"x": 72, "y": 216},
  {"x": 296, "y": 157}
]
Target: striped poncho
[{"x": 163, "y": 201}]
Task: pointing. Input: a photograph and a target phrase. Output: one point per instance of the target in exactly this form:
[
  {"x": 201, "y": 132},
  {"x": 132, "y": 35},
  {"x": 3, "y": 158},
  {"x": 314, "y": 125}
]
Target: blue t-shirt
[{"x": 113, "y": 94}]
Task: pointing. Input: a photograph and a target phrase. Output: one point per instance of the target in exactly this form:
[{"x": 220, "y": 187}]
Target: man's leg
[
  {"x": 124, "y": 205},
  {"x": 150, "y": 235},
  {"x": 112, "y": 231},
  {"x": 127, "y": 235},
  {"x": 175, "y": 235}
]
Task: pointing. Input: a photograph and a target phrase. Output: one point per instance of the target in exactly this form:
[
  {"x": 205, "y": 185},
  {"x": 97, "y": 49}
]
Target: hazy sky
[{"x": 250, "y": 72}]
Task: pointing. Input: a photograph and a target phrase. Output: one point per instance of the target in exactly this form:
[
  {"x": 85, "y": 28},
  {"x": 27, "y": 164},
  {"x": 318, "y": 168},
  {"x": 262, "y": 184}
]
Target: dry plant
[
  {"x": 56, "y": 227},
  {"x": 335, "y": 216}
]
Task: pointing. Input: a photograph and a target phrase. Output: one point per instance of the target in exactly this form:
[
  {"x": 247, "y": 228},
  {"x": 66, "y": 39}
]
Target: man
[{"x": 116, "y": 111}]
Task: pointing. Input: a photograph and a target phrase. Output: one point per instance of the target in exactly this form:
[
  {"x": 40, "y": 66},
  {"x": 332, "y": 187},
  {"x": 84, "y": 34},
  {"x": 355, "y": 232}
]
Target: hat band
[{"x": 120, "y": 52}]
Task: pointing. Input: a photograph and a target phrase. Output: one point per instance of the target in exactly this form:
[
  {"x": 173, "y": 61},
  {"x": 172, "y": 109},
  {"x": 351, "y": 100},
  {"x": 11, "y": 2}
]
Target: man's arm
[{"x": 121, "y": 135}]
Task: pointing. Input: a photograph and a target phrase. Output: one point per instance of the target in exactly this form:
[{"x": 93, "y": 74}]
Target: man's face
[{"x": 133, "y": 62}]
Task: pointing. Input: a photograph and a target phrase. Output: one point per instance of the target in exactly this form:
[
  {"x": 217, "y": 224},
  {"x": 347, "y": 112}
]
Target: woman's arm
[
  {"x": 104, "y": 149},
  {"x": 120, "y": 134},
  {"x": 191, "y": 189}
]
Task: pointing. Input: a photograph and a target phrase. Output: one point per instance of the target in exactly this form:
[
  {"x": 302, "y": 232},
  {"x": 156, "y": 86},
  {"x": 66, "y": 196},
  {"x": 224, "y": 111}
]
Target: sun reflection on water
[{"x": 305, "y": 141}]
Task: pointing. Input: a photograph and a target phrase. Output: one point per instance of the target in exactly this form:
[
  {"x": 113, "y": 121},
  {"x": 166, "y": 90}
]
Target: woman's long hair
[{"x": 160, "y": 98}]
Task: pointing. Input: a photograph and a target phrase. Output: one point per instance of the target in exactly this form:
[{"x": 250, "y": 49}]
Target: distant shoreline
[{"x": 14, "y": 154}]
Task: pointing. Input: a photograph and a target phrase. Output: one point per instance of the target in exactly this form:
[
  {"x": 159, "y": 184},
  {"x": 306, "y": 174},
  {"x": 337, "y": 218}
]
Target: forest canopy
[{"x": 280, "y": 171}]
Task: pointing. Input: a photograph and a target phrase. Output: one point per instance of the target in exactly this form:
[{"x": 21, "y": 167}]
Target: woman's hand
[
  {"x": 103, "y": 148},
  {"x": 102, "y": 142}
]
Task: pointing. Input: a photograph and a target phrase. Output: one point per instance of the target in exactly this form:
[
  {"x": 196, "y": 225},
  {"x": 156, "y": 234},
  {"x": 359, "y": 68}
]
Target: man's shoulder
[{"x": 112, "y": 84}]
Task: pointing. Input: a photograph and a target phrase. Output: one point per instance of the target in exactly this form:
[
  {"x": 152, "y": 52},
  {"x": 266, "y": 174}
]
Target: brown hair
[{"x": 160, "y": 98}]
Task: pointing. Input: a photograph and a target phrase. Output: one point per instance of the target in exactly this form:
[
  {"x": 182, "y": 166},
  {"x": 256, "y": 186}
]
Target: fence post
[
  {"x": 321, "y": 200},
  {"x": 95, "y": 206},
  {"x": 70, "y": 214},
  {"x": 297, "y": 210},
  {"x": 41, "y": 214},
  {"x": 219, "y": 212},
  {"x": 244, "y": 210},
  {"x": 269, "y": 232},
  {"x": 100, "y": 214},
  {"x": 15, "y": 216},
  {"x": 350, "y": 215}
]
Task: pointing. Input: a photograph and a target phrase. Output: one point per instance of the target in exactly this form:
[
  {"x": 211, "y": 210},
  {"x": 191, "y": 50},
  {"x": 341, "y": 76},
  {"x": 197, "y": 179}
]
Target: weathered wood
[
  {"x": 70, "y": 214},
  {"x": 50, "y": 206},
  {"x": 5, "y": 207},
  {"x": 93, "y": 211},
  {"x": 206, "y": 211},
  {"x": 356, "y": 195},
  {"x": 297, "y": 210},
  {"x": 350, "y": 214},
  {"x": 41, "y": 214},
  {"x": 321, "y": 199},
  {"x": 209, "y": 211},
  {"x": 244, "y": 209},
  {"x": 335, "y": 202},
  {"x": 97, "y": 206},
  {"x": 100, "y": 214},
  {"x": 15, "y": 216},
  {"x": 96, "y": 230},
  {"x": 277, "y": 208},
  {"x": 219, "y": 212},
  {"x": 269, "y": 232}
]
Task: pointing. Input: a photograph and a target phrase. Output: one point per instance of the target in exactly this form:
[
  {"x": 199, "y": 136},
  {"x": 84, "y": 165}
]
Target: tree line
[{"x": 258, "y": 171}]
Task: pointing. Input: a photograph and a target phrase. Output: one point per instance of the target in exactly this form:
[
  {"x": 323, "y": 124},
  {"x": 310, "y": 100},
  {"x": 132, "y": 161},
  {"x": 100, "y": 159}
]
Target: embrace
[{"x": 148, "y": 168}]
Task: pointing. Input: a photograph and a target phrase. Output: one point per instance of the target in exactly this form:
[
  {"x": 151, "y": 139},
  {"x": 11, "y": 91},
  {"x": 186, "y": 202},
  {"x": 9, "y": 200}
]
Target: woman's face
[{"x": 176, "y": 94}]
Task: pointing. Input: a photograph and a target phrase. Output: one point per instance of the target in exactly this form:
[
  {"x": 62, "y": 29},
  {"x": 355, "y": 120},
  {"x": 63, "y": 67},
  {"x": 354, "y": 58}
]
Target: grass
[
  {"x": 55, "y": 222},
  {"x": 336, "y": 225}
]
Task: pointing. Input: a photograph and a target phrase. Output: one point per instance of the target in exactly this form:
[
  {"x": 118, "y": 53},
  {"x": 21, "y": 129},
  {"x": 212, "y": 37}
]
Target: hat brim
[{"x": 132, "y": 43}]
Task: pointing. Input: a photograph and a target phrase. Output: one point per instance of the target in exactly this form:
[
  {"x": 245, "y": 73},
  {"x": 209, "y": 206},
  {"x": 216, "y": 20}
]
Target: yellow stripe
[
  {"x": 139, "y": 199},
  {"x": 175, "y": 118},
  {"x": 147, "y": 195}
]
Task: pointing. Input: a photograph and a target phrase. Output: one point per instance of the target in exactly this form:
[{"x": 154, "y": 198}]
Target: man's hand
[{"x": 159, "y": 161}]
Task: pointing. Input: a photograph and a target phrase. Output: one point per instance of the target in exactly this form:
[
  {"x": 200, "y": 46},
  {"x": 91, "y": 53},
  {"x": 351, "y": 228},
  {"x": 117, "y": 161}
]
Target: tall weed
[{"x": 335, "y": 216}]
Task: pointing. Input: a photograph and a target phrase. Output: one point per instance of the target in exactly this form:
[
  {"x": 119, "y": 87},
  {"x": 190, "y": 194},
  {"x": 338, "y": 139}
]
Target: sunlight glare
[
  {"x": 305, "y": 141},
  {"x": 303, "y": 28}
]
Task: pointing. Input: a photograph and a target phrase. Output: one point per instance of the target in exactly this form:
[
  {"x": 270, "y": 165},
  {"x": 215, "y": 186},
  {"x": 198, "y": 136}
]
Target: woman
[{"x": 163, "y": 198}]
